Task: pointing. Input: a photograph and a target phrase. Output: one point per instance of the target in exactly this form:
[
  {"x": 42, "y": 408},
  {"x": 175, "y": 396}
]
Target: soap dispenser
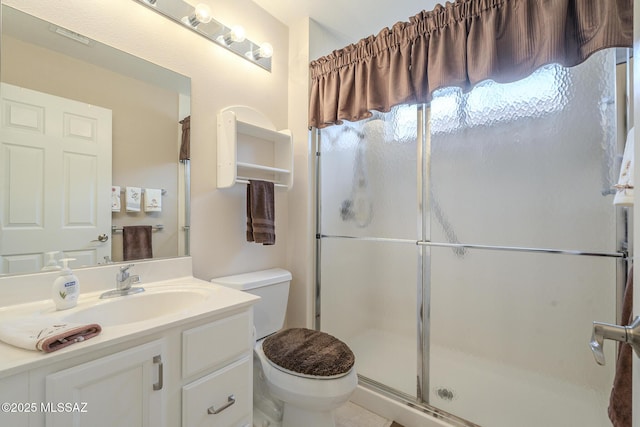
[
  {"x": 51, "y": 264},
  {"x": 66, "y": 288}
]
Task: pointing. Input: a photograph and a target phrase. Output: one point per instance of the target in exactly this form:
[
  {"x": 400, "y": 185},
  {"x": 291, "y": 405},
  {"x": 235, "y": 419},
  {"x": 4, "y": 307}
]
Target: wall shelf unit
[{"x": 249, "y": 147}]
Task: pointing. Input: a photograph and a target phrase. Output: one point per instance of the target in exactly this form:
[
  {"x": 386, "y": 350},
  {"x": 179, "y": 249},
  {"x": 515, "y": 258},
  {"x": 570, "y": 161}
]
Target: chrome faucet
[
  {"x": 124, "y": 280},
  {"x": 123, "y": 283}
]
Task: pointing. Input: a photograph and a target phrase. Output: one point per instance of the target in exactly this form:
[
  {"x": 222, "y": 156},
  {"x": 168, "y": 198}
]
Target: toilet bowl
[
  {"x": 308, "y": 400},
  {"x": 303, "y": 386}
]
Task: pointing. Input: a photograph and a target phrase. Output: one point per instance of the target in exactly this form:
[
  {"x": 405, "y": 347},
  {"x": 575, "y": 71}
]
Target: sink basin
[{"x": 139, "y": 307}]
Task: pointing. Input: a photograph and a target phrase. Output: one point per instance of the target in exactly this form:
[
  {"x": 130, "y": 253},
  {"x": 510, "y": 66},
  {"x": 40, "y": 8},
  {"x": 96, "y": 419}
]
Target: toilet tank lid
[{"x": 254, "y": 279}]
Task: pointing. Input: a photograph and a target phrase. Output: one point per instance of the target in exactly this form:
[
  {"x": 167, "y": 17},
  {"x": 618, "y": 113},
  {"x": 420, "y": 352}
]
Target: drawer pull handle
[
  {"x": 158, "y": 360},
  {"x": 230, "y": 401}
]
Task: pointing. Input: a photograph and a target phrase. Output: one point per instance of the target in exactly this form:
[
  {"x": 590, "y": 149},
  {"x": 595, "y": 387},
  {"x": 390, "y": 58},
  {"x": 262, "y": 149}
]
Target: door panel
[
  {"x": 532, "y": 166},
  {"x": 56, "y": 158}
]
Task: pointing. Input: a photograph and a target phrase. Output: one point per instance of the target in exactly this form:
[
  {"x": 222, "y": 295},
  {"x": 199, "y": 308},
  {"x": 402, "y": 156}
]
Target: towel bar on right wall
[{"x": 249, "y": 147}]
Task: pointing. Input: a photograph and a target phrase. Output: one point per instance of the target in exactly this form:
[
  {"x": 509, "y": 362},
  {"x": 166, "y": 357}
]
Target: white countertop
[{"x": 219, "y": 300}]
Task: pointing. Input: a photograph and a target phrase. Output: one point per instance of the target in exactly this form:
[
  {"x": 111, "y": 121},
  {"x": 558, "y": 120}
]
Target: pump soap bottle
[
  {"x": 66, "y": 288},
  {"x": 51, "y": 262}
]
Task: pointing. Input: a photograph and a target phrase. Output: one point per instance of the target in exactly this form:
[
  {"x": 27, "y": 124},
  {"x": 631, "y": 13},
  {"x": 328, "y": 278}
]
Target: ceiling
[{"x": 351, "y": 20}]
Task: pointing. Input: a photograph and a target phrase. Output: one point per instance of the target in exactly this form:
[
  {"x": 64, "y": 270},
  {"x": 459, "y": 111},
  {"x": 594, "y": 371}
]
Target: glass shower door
[
  {"x": 369, "y": 260},
  {"x": 526, "y": 165},
  {"x": 463, "y": 254}
]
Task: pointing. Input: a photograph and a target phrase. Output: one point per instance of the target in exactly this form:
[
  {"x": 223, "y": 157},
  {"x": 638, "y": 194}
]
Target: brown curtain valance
[
  {"x": 461, "y": 44},
  {"x": 185, "y": 143}
]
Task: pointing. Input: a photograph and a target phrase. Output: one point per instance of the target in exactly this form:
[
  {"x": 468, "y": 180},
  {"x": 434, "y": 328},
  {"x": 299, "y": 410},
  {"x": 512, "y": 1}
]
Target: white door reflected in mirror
[{"x": 66, "y": 207}]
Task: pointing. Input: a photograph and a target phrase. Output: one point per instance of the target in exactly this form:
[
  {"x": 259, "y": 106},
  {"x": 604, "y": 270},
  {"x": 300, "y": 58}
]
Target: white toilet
[{"x": 313, "y": 383}]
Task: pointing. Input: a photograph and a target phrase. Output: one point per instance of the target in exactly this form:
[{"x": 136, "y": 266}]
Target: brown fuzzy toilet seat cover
[{"x": 309, "y": 352}]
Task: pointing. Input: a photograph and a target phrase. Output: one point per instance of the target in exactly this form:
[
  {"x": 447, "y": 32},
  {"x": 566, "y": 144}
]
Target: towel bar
[
  {"x": 158, "y": 227},
  {"x": 246, "y": 181},
  {"x": 621, "y": 187},
  {"x": 123, "y": 190}
]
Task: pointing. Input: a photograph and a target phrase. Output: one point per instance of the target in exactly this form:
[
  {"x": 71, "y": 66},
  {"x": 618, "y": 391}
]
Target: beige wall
[
  {"x": 307, "y": 41},
  {"x": 300, "y": 254},
  {"x": 145, "y": 128},
  {"x": 218, "y": 79}
]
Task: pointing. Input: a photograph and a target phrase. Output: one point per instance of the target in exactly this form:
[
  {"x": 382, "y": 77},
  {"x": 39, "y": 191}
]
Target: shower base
[{"x": 479, "y": 390}]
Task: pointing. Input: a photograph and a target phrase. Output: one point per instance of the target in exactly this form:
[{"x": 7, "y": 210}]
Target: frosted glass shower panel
[
  {"x": 530, "y": 163},
  {"x": 369, "y": 300},
  {"x": 509, "y": 334},
  {"x": 368, "y": 176}
]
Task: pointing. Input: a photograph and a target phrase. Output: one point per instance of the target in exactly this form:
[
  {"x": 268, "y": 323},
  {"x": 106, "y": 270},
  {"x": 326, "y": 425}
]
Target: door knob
[
  {"x": 606, "y": 331},
  {"x": 101, "y": 238}
]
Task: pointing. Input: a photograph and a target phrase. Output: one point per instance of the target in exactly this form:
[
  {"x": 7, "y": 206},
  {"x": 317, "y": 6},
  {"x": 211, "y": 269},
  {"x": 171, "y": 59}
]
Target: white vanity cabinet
[
  {"x": 14, "y": 394},
  {"x": 123, "y": 389},
  {"x": 217, "y": 370},
  {"x": 193, "y": 373}
]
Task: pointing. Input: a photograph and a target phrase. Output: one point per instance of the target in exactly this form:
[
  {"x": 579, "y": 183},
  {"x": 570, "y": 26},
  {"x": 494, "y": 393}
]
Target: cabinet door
[
  {"x": 123, "y": 389},
  {"x": 14, "y": 391},
  {"x": 221, "y": 399}
]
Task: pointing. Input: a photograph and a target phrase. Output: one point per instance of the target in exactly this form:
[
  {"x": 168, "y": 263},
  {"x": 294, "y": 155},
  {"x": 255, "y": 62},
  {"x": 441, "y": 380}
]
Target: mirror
[{"x": 143, "y": 103}]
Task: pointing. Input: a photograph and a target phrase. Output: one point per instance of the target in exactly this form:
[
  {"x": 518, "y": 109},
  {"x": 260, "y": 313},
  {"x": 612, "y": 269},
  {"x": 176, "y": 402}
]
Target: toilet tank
[{"x": 272, "y": 286}]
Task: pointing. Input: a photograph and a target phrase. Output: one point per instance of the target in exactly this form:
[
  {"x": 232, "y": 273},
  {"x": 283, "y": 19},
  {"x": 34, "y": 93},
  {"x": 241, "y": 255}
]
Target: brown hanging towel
[
  {"x": 185, "y": 142},
  {"x": 261, "y": 212},
  {"x": 136, "y": 242},
  {"x": 620, "y": 399}
]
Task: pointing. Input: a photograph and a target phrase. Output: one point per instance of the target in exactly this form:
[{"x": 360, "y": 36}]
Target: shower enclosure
[{"x": 465, "y": 248}]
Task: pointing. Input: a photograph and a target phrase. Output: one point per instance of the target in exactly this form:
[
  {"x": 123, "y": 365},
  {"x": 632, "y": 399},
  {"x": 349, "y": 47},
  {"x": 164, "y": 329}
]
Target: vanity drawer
[
  {"x": 213, "y": 344},
  {"x": 222, "y": 398}
]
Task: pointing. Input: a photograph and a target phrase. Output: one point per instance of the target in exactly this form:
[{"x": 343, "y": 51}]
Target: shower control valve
[{"x": 627, "y": 334}]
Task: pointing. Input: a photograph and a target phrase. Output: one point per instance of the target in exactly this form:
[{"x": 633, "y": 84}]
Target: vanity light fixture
[
  {"x": 201, "y": 21},
  {"x": 236, "y": 35},
  {"x": 201, "y": 15},
  {"x": 264, "y": 51}
]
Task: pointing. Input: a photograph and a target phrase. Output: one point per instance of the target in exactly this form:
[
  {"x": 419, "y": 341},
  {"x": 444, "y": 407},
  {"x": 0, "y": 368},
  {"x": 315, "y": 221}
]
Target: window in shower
[{"x": 538, "y": 95}]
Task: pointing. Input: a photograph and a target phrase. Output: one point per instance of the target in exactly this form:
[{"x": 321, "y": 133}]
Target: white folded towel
[
  {"x": 624, "y": 194},
  {"x": 152, "y": 200},
  {"x": 44, "y": 334},
  {"x": 133, "y": 199},
  {"x": 115, "y": 199}
]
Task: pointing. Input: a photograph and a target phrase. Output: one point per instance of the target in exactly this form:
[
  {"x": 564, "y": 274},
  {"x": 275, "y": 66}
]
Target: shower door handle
[{"x": 606, "y": 331}]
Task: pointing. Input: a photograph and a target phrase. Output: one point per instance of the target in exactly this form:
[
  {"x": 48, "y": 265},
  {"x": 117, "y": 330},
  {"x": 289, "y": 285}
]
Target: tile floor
[{"x": 352, "y": 415}]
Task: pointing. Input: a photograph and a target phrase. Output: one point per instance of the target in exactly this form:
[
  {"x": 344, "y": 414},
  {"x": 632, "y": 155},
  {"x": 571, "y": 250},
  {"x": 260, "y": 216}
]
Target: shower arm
[{"x": 627, "y": 334}]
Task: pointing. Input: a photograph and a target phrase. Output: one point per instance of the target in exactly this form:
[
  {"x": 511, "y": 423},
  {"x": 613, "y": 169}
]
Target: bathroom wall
[
  {"x": 307, "y": 41},
  {"x": 300, "y": 250},
  {"x": 218, "y": 79}
]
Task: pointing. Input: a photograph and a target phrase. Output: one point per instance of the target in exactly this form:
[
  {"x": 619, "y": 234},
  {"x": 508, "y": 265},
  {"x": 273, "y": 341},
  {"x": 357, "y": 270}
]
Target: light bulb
[
  {"x": 201, "y": 15},
  {"x": 237, "y": 34},
  {"x": 266, "y": 50}
]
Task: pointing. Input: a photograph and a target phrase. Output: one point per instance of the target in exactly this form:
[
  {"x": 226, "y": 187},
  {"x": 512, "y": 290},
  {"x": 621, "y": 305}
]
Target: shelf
[
  {"x": 261, "y": 167},
  {"x": 248, "y": 141}
]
